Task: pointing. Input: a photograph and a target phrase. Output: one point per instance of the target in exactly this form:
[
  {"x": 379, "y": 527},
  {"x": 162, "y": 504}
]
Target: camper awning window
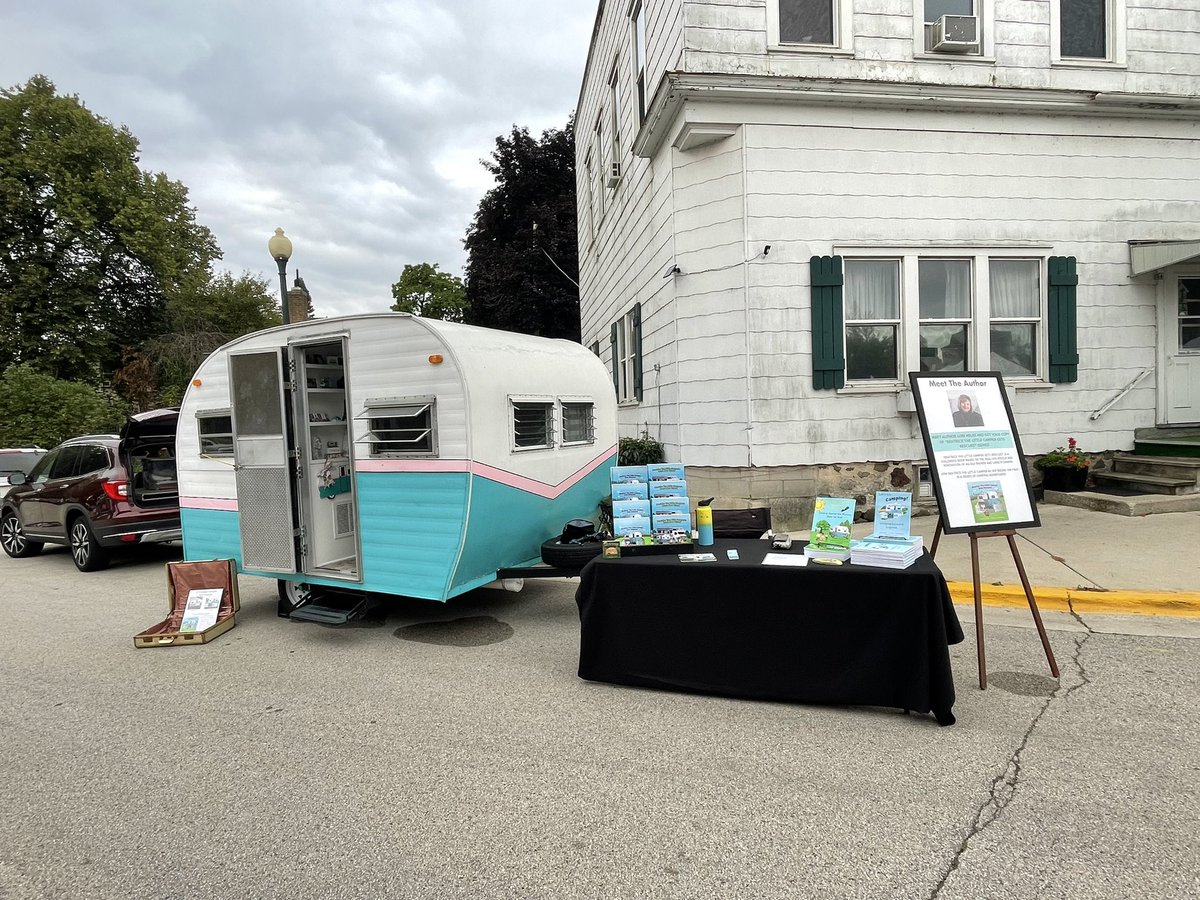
[
  {"x": 215, "y": 427},
  {"x": 578, "y": 423},
  {"x": 533, "y": 424},
  {"x": 399, "y": 428}
]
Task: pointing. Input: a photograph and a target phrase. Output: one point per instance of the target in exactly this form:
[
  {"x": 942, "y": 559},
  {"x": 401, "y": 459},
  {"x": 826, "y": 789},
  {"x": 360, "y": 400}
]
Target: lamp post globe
[{"x": 280, "y": 248}]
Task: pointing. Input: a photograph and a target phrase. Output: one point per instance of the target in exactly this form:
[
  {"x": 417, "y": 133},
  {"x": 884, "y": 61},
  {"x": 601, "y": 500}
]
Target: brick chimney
[{"x": 299, "y": 301}]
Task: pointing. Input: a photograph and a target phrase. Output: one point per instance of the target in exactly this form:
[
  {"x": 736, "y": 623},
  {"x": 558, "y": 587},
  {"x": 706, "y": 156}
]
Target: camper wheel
[
  {"x": 569, "y": 556},
  {"x": 293, "y": 595}
]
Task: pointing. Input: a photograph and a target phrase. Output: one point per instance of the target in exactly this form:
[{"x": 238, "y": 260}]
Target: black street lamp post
[{"x": 281, "y": 251}]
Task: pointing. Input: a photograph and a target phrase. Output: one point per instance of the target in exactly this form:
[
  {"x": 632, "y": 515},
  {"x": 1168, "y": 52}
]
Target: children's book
[
  {"x": 829, "y": 536},
  {"x": 893, "y": 516},
  {"x": 987, "y": 501}
]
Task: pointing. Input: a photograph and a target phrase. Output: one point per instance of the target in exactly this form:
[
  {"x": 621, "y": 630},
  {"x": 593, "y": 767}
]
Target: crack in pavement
[{"x": 1004, "y": 786}]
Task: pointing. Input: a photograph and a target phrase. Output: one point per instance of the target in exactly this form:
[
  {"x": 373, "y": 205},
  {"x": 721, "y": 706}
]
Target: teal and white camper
[{"x": 390, "y": 453}]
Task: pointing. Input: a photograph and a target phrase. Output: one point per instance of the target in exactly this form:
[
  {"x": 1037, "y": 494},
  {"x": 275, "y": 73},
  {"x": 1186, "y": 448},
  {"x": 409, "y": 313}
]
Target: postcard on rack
[{"x": 893, "y": 515}]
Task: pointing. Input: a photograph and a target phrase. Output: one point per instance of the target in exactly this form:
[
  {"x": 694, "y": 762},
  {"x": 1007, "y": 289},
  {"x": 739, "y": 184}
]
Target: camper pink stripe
[
  {"x": 208, "y": 503},
  {"x": 492, "y": 473}
]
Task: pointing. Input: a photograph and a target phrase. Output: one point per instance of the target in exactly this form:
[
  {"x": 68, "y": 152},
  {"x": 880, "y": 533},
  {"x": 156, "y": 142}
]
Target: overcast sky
[{"x": 357, "y": 125}]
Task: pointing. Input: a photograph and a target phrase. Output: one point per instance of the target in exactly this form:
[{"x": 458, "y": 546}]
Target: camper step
[{"x": 331, "y": 608}]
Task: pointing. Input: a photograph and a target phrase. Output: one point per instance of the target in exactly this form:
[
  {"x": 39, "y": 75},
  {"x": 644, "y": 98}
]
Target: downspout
[{"x": 746, "y": 305}]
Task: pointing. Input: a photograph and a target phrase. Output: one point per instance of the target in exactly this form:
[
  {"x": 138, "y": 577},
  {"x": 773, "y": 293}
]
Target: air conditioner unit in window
[
  {"x": 956, "y": 34},
  {"x": 614, "y": 174}
]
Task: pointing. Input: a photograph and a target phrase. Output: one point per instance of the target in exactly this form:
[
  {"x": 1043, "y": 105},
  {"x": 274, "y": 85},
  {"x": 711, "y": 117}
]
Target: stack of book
[{"x": 887, "y": 552}]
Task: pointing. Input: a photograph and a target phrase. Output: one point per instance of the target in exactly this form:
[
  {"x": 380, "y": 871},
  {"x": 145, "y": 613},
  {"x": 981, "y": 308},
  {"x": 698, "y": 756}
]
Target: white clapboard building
[{"x": 786, "y": 206}]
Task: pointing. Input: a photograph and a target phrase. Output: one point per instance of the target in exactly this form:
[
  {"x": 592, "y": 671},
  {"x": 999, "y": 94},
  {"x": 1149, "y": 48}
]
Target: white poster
[
  {"x": 974, "y": 452},
  {"x": 203, "y": 606}
]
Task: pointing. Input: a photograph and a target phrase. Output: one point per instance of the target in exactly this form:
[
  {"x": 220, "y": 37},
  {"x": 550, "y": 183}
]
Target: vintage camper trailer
[{"x": 390, "y": 453}]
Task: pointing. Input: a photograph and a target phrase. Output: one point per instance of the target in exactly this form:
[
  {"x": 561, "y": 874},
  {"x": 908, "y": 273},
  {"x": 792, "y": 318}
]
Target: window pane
[
  {"x": 943, "y": 348},
  {"x": 872, "y": 289},
  {"x": 1189, "y": 336},
  {"x": 254, "y": 378},
  {"x": 806, "y": 21},
  {"x": 216, "y": 435},
  {"x": 93, "y": 460},
  {"x": 945, "y": 288},
  {"x": 1016, "y": 288},
  {"x": 935, "y": 9},
  {"x": 577, "y": 423},
  {"x": 870, "y": 352},
  {"x": 1189, "y": 296},
  {"x": 532, "y": 424},
  {"x": 402, "y": 429},
  {"x": 1083, "y": 28},
  {"x": 67, "y": 463},
  {"x": 1012, "y": 348}
]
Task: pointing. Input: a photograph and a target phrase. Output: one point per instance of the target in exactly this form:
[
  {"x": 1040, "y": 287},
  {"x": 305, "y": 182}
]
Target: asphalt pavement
[{"x": 452, "y": 752}]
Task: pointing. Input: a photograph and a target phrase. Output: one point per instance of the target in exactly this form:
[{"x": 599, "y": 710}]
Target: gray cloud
[{"x": 356, "y": 126}]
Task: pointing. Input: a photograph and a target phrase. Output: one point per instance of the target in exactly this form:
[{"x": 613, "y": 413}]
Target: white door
[
  {"x": 1181, "y": 380},
  {"x": 262, "y": 461}
]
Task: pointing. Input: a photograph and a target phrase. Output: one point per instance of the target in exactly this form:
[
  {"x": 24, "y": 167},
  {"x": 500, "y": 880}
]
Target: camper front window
[
  {"x": 402, "y": 429},
  {"x": 533, "y": 424},
  {"x": 577, "y": 423},
  {"x": 215, "y": 427}
]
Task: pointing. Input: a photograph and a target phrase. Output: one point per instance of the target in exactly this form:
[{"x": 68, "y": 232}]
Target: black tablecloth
[{"x": 847, "y": 635}]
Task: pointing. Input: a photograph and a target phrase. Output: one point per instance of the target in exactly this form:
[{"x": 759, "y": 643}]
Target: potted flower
[{"x": 1064, "y": 468}]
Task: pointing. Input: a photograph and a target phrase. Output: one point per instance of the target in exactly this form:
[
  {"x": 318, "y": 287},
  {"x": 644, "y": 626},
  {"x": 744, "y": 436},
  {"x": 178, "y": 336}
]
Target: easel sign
[
  {"x": 979, "y": 474},
  {"x": 974, "y": 452}
]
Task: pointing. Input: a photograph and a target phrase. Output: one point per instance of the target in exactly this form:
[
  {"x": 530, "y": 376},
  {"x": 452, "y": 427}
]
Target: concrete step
[
  {"x": 1147, "y": 484},
  {"x": 1165, "y": 466},
  {"x": 1125, "y": 504}
]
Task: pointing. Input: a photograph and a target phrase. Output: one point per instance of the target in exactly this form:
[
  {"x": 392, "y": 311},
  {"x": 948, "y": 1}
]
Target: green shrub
[
  {"x": 37, "y": 409},
  {"x": 639, "y": 450}
]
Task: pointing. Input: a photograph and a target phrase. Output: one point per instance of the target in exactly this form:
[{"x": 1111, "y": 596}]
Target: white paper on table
[
  {"x": 203, "y": 606},
  {"x": 784, "y": 559}
]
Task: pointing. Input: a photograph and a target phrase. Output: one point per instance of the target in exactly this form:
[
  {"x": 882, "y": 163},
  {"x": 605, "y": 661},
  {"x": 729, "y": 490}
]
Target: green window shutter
[
  {"x": 1061, "y": 334},
  {"x": 616, "y": 363},
  {"x": 637, "y": 352},
  {"x": 828, "y": 358}
]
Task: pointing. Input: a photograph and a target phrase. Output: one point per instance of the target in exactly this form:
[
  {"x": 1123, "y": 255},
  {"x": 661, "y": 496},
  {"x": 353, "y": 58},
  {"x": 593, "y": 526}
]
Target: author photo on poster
[{"x": 966, "y": 415}]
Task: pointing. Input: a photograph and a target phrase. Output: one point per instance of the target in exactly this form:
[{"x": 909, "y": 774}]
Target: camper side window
[
  {"x": 215, "y": 427},
  {"x": 533, "y": 424},
  {"x": 402, "y": 429},
  {"x": 578, "y": 424}
]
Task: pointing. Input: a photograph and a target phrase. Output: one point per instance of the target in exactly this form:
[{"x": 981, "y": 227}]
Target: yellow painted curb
[{"x": 1140, "y": 603}]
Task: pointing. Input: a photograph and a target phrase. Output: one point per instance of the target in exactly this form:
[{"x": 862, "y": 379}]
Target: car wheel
[
  {"x": 569, "y": 556},
  {"x": 86, "y": 551},
  {"x": 12, "y": 536}
]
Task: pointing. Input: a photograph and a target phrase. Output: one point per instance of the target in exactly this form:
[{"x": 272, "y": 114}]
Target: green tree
[
  {"x": 91, "y": 246},
  {"x": 425, "y": 290},
  {"x": 39, "y": 409},
  {"x": 522, "y": 260}
]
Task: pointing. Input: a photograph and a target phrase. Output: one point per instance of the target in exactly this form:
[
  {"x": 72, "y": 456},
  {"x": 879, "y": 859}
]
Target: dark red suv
[{"x": 98, "y": 492}]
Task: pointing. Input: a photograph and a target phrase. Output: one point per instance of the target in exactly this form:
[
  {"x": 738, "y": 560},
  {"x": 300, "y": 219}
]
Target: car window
[
  {"x": 93, "y": 459},
  {"x": 41, "y": 472},
  {"x": 67, "y": 463},
  {"x": 19, "y": 462}
]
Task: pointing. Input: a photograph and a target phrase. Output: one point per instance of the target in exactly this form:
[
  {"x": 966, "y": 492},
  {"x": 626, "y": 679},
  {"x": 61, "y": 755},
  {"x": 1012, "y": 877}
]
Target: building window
[
  {"x": 1088, "y": 31},
  {"x": 215, "y": 427},
  {"x": 589, "y": 169},
  {"x": 966, "y": 33},
  {"x": 402, "y": 427},
  {"x": 533, "y": 424},
  {"x": 638, "y": 17},
  {"x": 626, "y": 338},
  {"x": 908, "y": 312},
  {"x": 810, "y": 24},
  {"x": 599, "y": 156},
  {"x": 578, "y": 422},
  {"x": 614, "y": 105}
]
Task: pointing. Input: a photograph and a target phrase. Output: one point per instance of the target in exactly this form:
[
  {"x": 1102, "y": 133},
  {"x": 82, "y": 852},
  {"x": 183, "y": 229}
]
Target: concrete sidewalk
[{"x": 1081, "y": 560}]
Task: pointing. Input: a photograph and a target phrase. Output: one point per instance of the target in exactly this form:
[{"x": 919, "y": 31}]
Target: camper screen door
[{"x": 974, "y": 452}]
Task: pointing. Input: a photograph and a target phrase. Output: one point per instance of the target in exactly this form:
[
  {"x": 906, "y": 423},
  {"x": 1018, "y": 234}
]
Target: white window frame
[
  {"x": 985, "y": 11},
  {"x": 586, "y": 403},
  {"x": 1114, "y": 35},
  {"x": 597, "y": 151},
  {"x": 614, "y": 112},
  {"x": 637, "y": 29},
  {"x": 589, "y": 166},
  {"x": 843, "y": 31},
  {"x": 626, "y": 354},
  {"x": 548, "y": 403},
  {"x": 208, "y": 414},
  {"x": 422, "y": 444},
  {"x": 979, "y": 330}
]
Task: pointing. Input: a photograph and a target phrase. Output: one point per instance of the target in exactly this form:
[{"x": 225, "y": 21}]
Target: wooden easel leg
[
  {"x": 937, "y": 536},
  {"x": 978, "y": 612},
  {"x": 1037, "y": 616}
]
